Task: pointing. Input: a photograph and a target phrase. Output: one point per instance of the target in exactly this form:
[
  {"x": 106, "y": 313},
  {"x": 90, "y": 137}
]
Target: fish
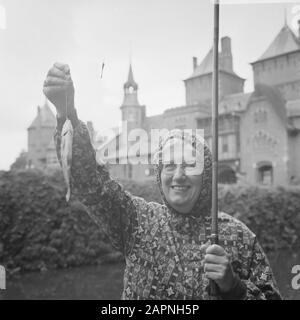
[{"x": 66, "y": 154}]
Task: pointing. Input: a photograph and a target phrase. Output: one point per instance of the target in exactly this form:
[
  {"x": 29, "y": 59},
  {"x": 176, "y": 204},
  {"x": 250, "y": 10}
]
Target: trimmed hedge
[
  {"x": 273, "y": 214},
  {"x": 40, "y": 231}
]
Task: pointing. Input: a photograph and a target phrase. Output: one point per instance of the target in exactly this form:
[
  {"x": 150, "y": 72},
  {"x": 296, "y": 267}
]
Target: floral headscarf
[{"x": 202, "y": 206}]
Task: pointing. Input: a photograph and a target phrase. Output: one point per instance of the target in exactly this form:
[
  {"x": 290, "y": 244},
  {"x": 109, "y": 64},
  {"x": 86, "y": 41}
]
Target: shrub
[
  {"x": 39, "y": 230},
  {"x": 273, "y": 214}
]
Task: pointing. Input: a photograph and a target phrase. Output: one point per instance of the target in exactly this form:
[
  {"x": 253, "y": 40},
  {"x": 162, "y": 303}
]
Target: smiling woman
[
  {"x": 181, "y": 177},
  {"x": 166, "y": 247}
]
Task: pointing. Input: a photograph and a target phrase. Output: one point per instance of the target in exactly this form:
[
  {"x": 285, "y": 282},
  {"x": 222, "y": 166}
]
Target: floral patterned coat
[{"x": 162, "y": 247}]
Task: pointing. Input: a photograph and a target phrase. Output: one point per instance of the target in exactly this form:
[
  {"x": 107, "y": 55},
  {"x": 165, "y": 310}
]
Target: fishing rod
[{"x": 215, "y": 134}]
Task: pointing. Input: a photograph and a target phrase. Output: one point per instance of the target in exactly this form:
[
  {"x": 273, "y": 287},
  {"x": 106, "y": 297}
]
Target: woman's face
[{"x": 180, "y": 185}]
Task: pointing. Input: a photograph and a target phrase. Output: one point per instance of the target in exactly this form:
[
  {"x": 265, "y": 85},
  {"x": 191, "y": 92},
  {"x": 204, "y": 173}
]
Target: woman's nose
[{"x": 179, "y": 174}]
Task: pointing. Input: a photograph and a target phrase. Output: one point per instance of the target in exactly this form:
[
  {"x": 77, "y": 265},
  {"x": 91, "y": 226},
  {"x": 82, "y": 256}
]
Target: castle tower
[
  {"x": 198, "y": 86},
  {"x": 132, "y": 111},
  {"x": 279, "y": 64},
  {"x": 40, "y": 135}
]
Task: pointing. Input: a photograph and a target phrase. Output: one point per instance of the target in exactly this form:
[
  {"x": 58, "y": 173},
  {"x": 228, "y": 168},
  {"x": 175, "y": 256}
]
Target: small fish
[{"x": 66, "y": 154}]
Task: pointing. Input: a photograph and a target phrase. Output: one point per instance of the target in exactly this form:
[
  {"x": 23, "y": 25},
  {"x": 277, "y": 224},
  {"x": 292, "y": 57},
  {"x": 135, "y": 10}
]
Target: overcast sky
[{"x": 161, "y": 36}]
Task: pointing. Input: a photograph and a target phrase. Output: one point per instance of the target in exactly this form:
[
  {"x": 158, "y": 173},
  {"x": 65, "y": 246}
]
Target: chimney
[
  {"x": 226, "y": 55},
  {"x": 39, "y": 118},
  {"x": 195, "y": 63},
  {"x": 226, "y": 45}
]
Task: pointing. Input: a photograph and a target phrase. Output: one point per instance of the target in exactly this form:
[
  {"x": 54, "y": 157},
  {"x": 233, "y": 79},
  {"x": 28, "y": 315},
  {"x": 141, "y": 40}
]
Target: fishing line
[{"x": 66, "y": 98}]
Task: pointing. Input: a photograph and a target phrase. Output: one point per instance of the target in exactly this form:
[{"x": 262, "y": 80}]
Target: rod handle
[{"x": 213, "y": 287}]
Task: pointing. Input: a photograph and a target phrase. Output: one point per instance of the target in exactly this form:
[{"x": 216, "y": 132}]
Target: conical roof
[
  {"x": 285, "y": 42},
  {"x": 206, "y": 66},
  {"x": 44, "y": 118},
  {"x": 130, "y": 81}
]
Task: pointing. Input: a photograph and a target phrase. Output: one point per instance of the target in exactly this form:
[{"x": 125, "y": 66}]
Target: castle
[{"x": 259, "y": 132}]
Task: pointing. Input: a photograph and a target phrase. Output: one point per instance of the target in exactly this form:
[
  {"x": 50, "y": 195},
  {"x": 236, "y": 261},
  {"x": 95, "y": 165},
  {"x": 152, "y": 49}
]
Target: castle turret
[
  {"x": 40, "y": 134},
  {"x": 279, "y": 64},
  {"x": 198, "y": 87},
  {"x": 132, "y": 111}
]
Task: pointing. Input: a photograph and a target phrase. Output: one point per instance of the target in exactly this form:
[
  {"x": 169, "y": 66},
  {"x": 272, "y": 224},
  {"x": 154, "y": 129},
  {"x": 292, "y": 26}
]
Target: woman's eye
[
  {"x": 191, "y": 165},
  {"x": 170, "y": 166}
]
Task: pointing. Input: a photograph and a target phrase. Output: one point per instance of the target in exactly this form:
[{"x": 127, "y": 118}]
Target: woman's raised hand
[{"x": 59, "y": 89}]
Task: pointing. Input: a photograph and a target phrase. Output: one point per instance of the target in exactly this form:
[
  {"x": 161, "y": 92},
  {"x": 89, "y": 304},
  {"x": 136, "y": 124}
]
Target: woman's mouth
[{"x": 179, "y": 188}]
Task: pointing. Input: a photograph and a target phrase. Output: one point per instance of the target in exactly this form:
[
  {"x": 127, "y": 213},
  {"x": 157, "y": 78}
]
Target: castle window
[
  {"x": 225, "y": 144},
  {"x": 282, "y": 64},
  {"x": 118, "y": 142},
  {"x": 265, "y": 174}
]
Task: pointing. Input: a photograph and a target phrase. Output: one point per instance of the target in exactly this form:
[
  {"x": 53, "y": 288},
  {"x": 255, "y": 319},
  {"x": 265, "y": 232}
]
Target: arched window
[
  {"x": 265, "y": 173},
  {"x": 225, "y": 144},
  {"x": 226, "y": 175},
  {"x": 130, "y": 89}
]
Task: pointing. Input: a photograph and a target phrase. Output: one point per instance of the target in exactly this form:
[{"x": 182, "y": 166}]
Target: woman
[{"x": 166, "y": 247}]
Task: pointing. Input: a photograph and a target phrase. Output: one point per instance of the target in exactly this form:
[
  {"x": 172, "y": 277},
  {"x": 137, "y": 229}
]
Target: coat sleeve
[
  {"x": 114, "y": 210},
  {"x": 256, "y": 283},
  {"x": 261, "y": 284}
]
